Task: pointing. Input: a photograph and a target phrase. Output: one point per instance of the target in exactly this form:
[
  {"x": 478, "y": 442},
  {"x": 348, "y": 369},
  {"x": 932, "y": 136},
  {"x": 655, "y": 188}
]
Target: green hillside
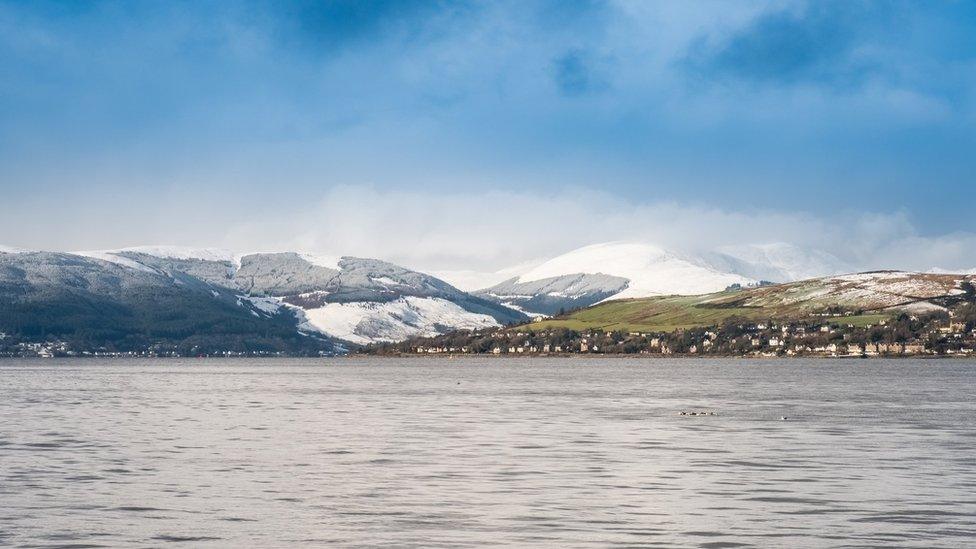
[{"x": 859, "y": 299}]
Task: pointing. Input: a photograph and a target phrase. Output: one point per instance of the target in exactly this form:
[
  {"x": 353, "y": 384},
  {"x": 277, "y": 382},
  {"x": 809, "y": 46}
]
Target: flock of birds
[{"x": 697, "y": 413}]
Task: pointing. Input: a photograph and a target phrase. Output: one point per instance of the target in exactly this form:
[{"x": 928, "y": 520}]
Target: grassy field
[
  {"x": 656, "y": 314},
  {"x": 666, "y": 314},
  {"x": 859, "y": 321}
]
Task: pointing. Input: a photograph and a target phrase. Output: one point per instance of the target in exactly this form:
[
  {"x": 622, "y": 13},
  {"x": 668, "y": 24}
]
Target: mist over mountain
[{"x": 623, "y": 270}]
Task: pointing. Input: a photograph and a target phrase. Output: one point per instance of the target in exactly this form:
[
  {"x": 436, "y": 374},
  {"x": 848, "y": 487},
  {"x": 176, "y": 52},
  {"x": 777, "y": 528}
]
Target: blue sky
[{"x": 132, "y": 122}]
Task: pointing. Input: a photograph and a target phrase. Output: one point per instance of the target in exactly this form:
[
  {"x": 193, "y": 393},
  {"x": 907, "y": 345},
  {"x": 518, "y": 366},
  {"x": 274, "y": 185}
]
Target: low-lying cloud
[{"x": 483, "y": 231}]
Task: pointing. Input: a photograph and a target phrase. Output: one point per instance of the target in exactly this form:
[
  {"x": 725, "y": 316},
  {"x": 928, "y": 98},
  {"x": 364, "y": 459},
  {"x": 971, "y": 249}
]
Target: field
[
  {"x": 860, "y": 300},
  {"x": 656, "y": 314}
]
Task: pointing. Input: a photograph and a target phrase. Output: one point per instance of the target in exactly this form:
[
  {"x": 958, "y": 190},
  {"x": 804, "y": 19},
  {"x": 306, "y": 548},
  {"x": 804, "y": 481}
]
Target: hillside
[
  {"x": 625, "y": 270},
  {"x": 862, "y": 298},
  {"x": 82, "y": 304},
  {"x": 203, "y": 301}
]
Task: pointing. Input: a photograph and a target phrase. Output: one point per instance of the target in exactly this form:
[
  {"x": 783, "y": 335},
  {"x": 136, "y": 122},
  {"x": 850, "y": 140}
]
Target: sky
[{"x": 478, "y": 135}]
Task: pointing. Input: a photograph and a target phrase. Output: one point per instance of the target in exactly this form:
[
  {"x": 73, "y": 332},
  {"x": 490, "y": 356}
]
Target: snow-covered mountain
[
  {"x": 621, "y": 270},
  {"x": 781, "y": 262},
  {"x": 352, "y": 299}
]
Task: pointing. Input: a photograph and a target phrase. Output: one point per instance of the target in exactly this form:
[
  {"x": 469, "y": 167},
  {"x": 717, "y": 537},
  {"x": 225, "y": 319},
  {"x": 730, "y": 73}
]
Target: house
[
  {"x": 775, "y": 342},
  {"x": 584, "y": 347},
  {"x": 913, "y": 349},
  {"x": 496, "y": 351},
  {"x": 545, "y": 348}
]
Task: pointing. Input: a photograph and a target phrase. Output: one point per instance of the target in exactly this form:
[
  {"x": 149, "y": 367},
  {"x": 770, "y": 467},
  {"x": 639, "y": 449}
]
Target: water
[{"x": 475, "y": 452}]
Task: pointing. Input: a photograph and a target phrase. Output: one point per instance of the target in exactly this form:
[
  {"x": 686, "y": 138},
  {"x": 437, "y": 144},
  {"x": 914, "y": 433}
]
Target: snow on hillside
[
  {"x": 651, "y": 270},
  {"x": 182, "y": 252},
  {"x": 468, "y": 281},
  {"x": 367, "y": 322},
  {"x": 114, "y": 258},
  {"x": 782, "y": 262},
  {"x": 327, "y": 261},
  {"x": 870, "y": 291}
]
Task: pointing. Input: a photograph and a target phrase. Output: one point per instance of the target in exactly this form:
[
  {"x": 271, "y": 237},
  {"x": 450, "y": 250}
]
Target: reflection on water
[{"x": 473, "y": 452}]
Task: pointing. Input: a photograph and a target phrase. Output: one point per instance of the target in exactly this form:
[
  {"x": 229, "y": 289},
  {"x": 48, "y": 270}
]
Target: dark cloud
[
  {"x": 814, "y": 44},
  {"x": 330, "y": 25}
]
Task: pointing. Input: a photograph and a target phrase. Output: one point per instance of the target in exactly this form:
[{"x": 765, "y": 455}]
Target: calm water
[{"x": 453, "y": 453}]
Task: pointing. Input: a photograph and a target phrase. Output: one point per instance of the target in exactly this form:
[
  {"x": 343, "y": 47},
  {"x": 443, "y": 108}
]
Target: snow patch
[
  {"x": 268, "y": 305},
  {"x": 116, "y": 259},
  {"x": 403, "y": 318},
  {"x": 651, "y": 270},
  {"x": 327, "y": 261},
  {"x": 530, "y": 314},
  {"x": 182, "y": 252}
]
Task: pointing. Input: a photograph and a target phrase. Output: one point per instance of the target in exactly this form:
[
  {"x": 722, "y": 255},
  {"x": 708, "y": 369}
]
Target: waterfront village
[
  {"x": 840, "y": 336},
  {"x": 837, "y": 334}
]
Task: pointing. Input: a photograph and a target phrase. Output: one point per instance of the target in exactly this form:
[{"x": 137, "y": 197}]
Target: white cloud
[
  {"x": 490, "y": 230},
  {"x": 478, "y": 232}
]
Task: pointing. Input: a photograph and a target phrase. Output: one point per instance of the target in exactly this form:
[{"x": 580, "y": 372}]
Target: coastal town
[{"x": 840, "y": 336}]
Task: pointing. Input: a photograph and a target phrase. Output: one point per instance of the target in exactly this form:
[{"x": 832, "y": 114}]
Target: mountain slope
[
  {"x": 885, "y": 293},
  {"x": 549, "y": 296},
  {"x": 95, "y": 304},
  {"x": 623, "y": 270},
  {"x": 370, "y": 300},
  {"x": 357, "y": 300}
]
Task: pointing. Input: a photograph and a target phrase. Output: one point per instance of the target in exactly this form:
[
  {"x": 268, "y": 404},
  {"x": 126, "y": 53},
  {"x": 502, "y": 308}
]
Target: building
[{"x": 913, "y": 349}]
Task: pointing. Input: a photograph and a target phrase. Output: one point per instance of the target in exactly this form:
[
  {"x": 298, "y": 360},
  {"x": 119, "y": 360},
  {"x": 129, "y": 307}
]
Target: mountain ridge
[
  {"x": 379, "y": 301},
  {"x": 648, "y": 269}
]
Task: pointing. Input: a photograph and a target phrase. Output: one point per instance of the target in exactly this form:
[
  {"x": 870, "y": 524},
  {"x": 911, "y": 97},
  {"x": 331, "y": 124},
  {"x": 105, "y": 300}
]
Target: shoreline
[{"x": 447, "y": 356}]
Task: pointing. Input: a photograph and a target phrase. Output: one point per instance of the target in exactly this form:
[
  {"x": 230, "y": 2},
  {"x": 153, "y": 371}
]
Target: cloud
[
  {"x": 238, "y": 121},
  {"x": 335, "y": 26},
  {"x": 787, "y": 45},
  {"x": 491, "y": 230},
  {"x": 481, "y": 231}
]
